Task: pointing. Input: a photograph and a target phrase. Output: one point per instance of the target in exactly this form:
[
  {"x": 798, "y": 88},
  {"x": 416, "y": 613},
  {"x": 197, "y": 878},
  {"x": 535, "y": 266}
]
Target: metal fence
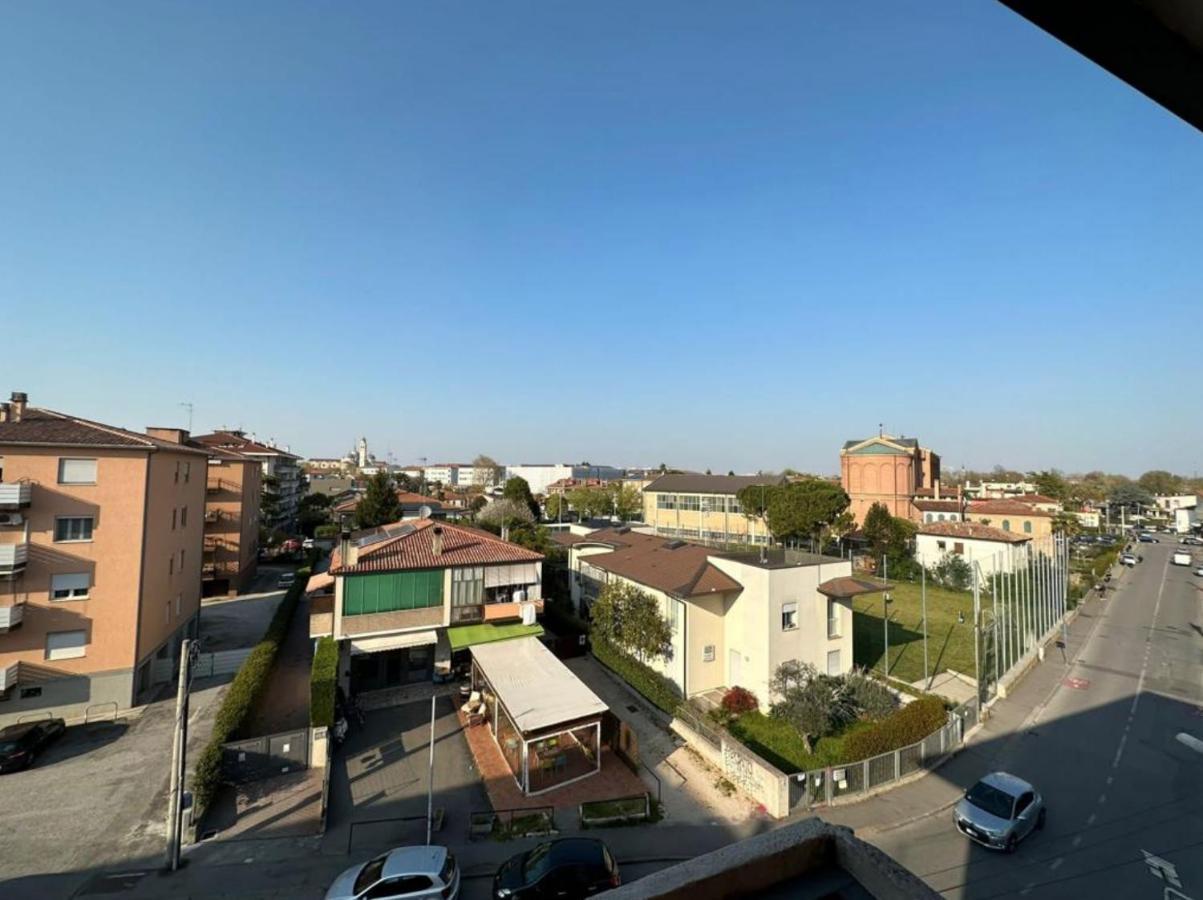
[
  {"x": 697, "y": 721},
  {"x": 821, "y": 787},
  {"x": 262, "y": 757}
]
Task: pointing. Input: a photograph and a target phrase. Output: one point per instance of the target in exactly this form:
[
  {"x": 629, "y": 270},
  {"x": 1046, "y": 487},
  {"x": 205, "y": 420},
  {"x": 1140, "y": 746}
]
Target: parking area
[
  {"x": 231, "y": 623},
  {"x": 95, "y": 798}
]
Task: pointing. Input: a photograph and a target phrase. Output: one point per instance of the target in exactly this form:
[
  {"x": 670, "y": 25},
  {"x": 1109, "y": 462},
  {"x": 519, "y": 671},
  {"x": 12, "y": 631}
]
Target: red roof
[
  {"x": 974, "y": 531},
  {"x": 1005, "y": 507},
  {"x": 412, "y": 547},
  {"x": 235, "y": 441},
  {"x": 40, "y": 426},
  {"x": 938, "y": 505}
]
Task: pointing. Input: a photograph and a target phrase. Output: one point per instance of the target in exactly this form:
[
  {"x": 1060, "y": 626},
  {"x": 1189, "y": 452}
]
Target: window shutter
[{"x": 77, "y": 471}]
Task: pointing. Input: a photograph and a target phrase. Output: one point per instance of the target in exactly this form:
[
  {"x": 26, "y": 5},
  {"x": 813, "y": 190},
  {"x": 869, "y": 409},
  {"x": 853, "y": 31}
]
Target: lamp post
[{"x": 885, "y": 614}]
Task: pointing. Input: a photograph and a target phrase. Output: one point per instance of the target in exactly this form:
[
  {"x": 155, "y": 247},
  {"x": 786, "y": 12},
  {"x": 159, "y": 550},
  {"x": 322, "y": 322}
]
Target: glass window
[
  {"x": 184, "y": 517},
  {"x": 833, "y": 618},
  {"x": 73, "y": 528},
  {"x": 77, "y": 471},
  {"x": 72, "y": 586},
  {"x": 177, "y": 471},
  {"x": 674, "y": 615},
  {"x": 66, "y": 644},
  {"x": 1027, "y": 527},
  {"x": 1006, "y": 526},
  {"x": 371, "y": 873},
  {"x": 691, "y": 502},
  {"x": 174, "y": 513},
  {"x": 833, "y": 663},
  {"x": 789, "y": 616},
  {"x": 187, "y": 471}
]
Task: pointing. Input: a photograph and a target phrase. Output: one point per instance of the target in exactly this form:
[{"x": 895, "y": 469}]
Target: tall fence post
[{"x": 897, "y": 764}]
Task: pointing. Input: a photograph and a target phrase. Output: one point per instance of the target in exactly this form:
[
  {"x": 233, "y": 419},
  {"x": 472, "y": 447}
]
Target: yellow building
[
  {"x": 1011, "y": 515},
  {"x": 704, "y": 508}
]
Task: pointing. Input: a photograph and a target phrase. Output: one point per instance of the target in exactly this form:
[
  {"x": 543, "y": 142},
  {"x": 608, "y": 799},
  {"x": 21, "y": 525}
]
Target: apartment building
[
  {"x": 734, "y": 617},
  {"x": 540, "y": 475},
  {"x": 276, "y": 463},
  {"x": 101, "y": 531},
  {"x": 233, "y": 494},
  {"x": 888, "y": 470},
  {"x": 403, "y": 599},
  {"x": 1011, "y": 515},
  {"x": 704, "y": 508}
]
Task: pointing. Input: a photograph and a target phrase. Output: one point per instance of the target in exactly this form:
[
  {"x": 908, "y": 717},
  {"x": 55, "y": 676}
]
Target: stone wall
[{"x": 755, "y": 777}]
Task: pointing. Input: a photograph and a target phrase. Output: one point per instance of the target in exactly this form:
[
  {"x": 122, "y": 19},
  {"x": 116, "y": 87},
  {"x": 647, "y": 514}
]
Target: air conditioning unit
[{"x": 11, "y": 518}]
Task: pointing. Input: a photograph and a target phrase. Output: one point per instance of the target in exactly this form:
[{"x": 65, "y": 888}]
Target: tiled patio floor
[{"x": 614, "y": 780}]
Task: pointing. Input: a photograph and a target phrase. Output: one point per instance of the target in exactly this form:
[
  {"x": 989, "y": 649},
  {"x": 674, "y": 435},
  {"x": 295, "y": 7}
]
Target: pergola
[{"x": 545, "y": 721}]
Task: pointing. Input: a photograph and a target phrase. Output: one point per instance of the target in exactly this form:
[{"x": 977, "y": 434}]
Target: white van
[{"x": 1181, "y": 558}]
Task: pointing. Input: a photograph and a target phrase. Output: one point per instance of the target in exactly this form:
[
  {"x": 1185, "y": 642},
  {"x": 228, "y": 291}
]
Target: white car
[
  {"x": 1181, "y": 558},
  {"x": 1128, "y": 559},
  {"x": 1199, "y": 571},
  {"x": 405, "y": 873}
]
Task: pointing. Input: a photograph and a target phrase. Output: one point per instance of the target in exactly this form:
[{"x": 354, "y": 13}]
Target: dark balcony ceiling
[{"x": 1156, "y": 46}]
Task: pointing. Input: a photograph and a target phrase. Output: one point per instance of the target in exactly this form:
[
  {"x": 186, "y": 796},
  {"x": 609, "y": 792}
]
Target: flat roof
[{"x": 537, "y": 690}]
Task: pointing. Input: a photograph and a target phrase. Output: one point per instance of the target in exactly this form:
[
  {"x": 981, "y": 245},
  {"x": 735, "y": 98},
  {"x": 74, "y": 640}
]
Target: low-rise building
[
  {"x": 992, "y": 549},
  {"x": 101, "y": 531},
  {"x": 999, "y": 490},
  {"x": 540, "y": 475},
  {"x": 704, "y": 508},
  {"x": 939, "y": 510},
  {"x": 1011, "y": 515},
  {"x": 735, "y": 617},
  {"x": 404, "y": 598}
]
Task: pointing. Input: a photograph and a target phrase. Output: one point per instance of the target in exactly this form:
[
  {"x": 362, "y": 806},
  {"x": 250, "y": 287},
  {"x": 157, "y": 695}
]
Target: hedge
[
  {"x": 909, "y": 725},
  {"x": 661, "y": 691},
  {"x": 322, "y": 681},
  {"x": 242, "y": 695}
]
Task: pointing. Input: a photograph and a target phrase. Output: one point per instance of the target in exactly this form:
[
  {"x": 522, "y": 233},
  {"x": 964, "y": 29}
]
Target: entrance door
[{"x": 734, "y": 666}]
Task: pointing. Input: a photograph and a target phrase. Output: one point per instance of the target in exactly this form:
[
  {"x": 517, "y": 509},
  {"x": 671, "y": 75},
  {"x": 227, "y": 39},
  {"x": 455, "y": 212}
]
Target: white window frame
[
  {"x": 838, "y": 662},
  {"x": 74, "y": 540},
  {"x": 65, "y": 461},
  {"x": 790, "y": 609},
  {"x": 78, "y": 586},
  {"x": 69, "y": 648},
  {"x": 833, "y": 616}
]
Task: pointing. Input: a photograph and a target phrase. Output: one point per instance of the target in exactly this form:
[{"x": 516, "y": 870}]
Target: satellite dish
[{"x": 424, "y": 512}]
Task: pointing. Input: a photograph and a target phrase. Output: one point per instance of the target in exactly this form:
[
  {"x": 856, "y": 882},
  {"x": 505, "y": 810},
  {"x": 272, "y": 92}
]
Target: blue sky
[{"x": 709, "y": 234}]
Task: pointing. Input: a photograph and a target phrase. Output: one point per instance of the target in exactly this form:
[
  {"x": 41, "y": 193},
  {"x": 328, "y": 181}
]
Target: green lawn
[
  {"x": 949, "y": 643},
  {"x": 779, "y": 743}
]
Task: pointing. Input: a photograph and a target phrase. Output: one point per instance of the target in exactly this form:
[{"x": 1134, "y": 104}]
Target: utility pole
[
  {"x": 430, "y": 779},
  {"x": 178, "y": 755},
  {"x": 885, "y": 612},
  {"x": 923, "y": 603}
]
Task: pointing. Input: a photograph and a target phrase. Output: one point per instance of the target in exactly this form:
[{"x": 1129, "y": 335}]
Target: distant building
[
  {"x": 1011, "y": 515},
  {"x": 887, "y": 470},
  {"x": 325, "y": 466},
  {"x": 540, "y": 475},
  {"x": 233, "y": 494},
  {"x": 999, "y": 490},
  {"x": 993, "y": 549},
  {"x": 277, "y": 463},
  {"x": 704, "y": 508}
]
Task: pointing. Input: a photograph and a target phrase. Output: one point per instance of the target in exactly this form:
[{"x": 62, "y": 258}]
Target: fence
[
  {"x": 822, "y": 787},
  {"x": 262, "y": 757},
  {"x": 222, "y": 662}
]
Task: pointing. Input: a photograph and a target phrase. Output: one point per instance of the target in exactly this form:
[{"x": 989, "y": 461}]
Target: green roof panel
[{"x": 464, "y": 636}]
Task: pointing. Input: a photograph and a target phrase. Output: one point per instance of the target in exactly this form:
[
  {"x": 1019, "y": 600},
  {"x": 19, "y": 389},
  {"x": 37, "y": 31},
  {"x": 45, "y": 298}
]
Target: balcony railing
[
  {"x": 213, "y": 515},
  {"x": 208, "y": 571},
  {"x": 11, "y": 616},
  {"x": 463, "y": 615},
  {"x": 215, "y": 486},
  {"x": 8, "y": 676},
  {"x": 496, "y": 612},
  {"x": 15, "y": 495},
  {"x": 13, "y": 558}
]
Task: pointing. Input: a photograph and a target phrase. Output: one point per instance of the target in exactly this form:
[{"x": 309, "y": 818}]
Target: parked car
[
  {"x": 285, "y": 581},
  {"x": 20, "y": 743},
  {"x": 1128, "y": 559},
  {"x": 1199, "y": 571},
  {"x": 569, "y": 867},
  {"x": 1148, "y": 539},
  {"x": 999, "y": 811},
  {"x": 1181, "y": 558},
  {"x": 413, "y": 873}
]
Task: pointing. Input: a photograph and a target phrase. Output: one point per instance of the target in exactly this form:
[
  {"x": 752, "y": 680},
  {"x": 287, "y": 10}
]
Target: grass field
[{"x": 949, "y": 643}]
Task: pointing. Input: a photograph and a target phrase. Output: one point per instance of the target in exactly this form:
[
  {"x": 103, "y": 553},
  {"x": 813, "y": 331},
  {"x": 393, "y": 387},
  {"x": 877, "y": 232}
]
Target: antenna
[{"x": 188, "y": 406}]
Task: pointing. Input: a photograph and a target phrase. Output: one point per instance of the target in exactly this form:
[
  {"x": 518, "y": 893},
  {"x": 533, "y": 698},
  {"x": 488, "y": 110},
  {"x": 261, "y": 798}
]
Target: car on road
[
  {"x": 285, "y": 581},
  {"x": 568, "y": 867},
  {"x": 20, "y": 743},
  {"x": 412, "y": 873},
  {"x": 1181, "y": 558},
  {"x": 1192, "y": 541},
  {"x": 1128, "y": 559},
  {"x": 1148, "y": 539},
  {"x": 999, "y": 811},
  {"x": 1199, "y": 571}
]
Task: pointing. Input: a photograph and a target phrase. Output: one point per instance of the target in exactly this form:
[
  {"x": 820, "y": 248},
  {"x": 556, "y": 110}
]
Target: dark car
[
  {"x": 1148, "y": 539},
  {"x": 19, "y": 744},
  {"x": 569, "y": 867}
]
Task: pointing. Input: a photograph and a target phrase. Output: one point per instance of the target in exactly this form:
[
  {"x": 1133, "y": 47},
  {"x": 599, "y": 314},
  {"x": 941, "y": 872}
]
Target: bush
[
  {"x": 243, "y": 695},
  {"x": 322, "y": 682},
  {"x": 738, "y": 701},
  {"x": 907, "y": 726},
  {"x": 326, "y": 531},
  {"x": 651, "y": 684},
  {"x": 873, "y": 699}
]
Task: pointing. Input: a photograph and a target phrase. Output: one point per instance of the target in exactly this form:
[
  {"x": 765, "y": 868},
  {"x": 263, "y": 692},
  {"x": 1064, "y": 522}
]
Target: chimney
[
  {"x": 344, "y": 547},
  {"x": 436, "y": 540},
  {"x": 17, "y": 409},
  {"x": 936, "y": 487},
  {"x": 5, "y": 412},
  {"x": 171, "y": 435}
]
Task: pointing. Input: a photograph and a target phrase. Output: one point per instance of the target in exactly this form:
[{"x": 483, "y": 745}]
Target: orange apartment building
[
  {"x": 101, "y": 531},
  {"x": 887, "y": 470},
  {"x": 233, "y": 493}
]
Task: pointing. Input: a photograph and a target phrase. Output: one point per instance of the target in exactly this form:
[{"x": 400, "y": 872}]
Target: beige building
[
  {"x": 991, "y": 549},
  {"x": 735, "y": 617},
  {"x": 704, "y": 508},
  {"x": 101, "y": 531},
  {"x": 233, "y": 491},
  {"x": 1011, "y": 515},
  {"x": 276, "y": 463}
]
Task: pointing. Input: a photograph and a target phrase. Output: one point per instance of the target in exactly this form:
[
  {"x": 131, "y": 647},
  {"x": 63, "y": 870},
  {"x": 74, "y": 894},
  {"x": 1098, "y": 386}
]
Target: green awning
[{"x": 463, "y": 636}]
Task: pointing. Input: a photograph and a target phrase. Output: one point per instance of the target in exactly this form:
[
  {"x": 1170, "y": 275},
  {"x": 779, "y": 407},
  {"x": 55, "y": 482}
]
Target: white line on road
[
  {"x": 1140, "y": 683},
  {"x": 1190, "y": 741},
  {"x": 1120, "y": 752},
  {"x": 1091, "y": 820}
]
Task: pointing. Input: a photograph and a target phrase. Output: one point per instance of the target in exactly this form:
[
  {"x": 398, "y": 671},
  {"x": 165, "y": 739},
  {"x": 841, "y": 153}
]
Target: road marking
[
  {"x": 1056, "y": 863},
  {"x": 1078, "y": 684},
  {"x": 1110, "y": 778},
  {"x": 1140, "y": 683},
  {"x": 1190, "y": 740},
  {"x": 1120, "y": 752},
  {"x": 1162, "y": 868},
  {"x": 1092, "y": 818}
]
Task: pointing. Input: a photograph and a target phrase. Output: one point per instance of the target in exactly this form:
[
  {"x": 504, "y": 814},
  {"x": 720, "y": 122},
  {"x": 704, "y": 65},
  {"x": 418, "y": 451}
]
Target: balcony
[
  {"x": 9, "y": 676},
  {"x": 213, "y": 515},
  {"x": 499, "y": 612},
  {"x": 13, "y": 558},
  {"x": 11, "y": 617},
  {"x": 215, "y": 486},
  {"x": 208, "y": 571},
  {"x": 15, "y": 495}
]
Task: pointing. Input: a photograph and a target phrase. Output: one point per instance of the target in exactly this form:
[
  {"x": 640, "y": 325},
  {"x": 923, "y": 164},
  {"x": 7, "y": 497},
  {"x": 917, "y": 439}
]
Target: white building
[
  {"x": 734, "y": 617},
  {"x": 540, "y": 475},
  {"x": 993, "y": 549},
  {"x": 940, "y": 510}
]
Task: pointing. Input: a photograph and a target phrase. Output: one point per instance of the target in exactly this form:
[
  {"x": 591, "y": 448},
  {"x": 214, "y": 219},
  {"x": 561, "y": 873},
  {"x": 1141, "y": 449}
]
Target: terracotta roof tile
[
  {"x": 45, "y": 426},
  {"x": 413, "y": 548},
  {"x": 1003, "y": 507},
  {"x": 234, "y": 441},
  {"x": 972, "y": 531},
  {"x": 938, "y": 505},
  {"x": 851, "y": 586}
]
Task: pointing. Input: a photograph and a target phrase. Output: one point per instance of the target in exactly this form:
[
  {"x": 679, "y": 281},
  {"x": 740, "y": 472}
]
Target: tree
[
  {"x": 1067, "y": 524},
  {"x": 1159, "y": 481},
  {"x": 379, "y": 504},
  {"x": 589, "y": 502},
  {"x": 555, "y": 506},
  {"x": 1051, "y": 483},
  {"x": 626, "y": 500},
  {"x": 953, "y": 571},
  {"x": 485, "y": 472},
  {"x": 1130, "y": 495},
  {"x": 518, "y": 490},
  {"x": 754, "y": 500},
  {"x": 504, "y": 513},
  {"x": 878, "y": 529},
  {"x": 816, "y": 705},
  {"x": 630, "y": 618},
  {"x": 801, "y": 508},
  {"x": 314, "y": 512}
]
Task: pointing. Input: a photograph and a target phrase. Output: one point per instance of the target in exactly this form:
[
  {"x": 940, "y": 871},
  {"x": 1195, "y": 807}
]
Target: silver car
[
  {"x": 999, "y": 811},
  {"x": 412, "y": 873}
]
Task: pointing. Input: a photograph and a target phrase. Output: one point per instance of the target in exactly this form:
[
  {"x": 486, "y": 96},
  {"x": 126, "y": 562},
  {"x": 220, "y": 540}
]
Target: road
[{"x": 1125, "y": 795}]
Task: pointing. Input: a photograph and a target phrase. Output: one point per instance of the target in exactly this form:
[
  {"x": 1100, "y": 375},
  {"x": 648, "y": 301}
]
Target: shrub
[
  {"x": 322, "y": 681},
  {"x": 242, "y": 696},
  {"x": 909, "y": 725},
  {"x": 873, "y": 699},
  {"x": 651, "y": 684},
  {"x": 326, "y": 531},
  {"x": 738, "y": 701}
]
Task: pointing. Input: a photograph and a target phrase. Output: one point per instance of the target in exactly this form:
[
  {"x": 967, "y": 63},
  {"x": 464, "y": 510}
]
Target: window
[
  {"x": 833, "y": 618},
  {"x": 173, "y": 517},
  {"x": 184, "y": 517},
  {"x": 179, "y": 604},
  {"x": 69, "y": 586},
  {"x": 666, "y": 501},
  {"x": 674, "y": 615},
  {"x": 467, "y": 586},
  {"x": 708, "y": 653},
  {"x": 928, "y": 517},
  {"x": 171, "y": 565},
  {"x": 187, "y": 471},
  {"x": 1027, "y": 527},
  {"x": 73, "y": 528},
  {"x": 691, "y": 502},
  {"x": 1006, "y": 525},
  {"x": 833, "y": 663},
  {"x": 177, "y": 471},
  {"x": 181, "y": 560},
  {"x": 30, "y": 692},
  {"x": 940, "y": 545},
  {"x": 66, "y": 644},
  {"x": 789, "y": 616},
  {"x": 941, "y": 517},
  {"x": 958, "y": 548},
  {"x": 77, "y": 471}
]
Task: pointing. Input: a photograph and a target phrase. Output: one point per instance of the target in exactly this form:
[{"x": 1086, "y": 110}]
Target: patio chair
[
  {"x": 473, "y": 701},
  {"x": 478, "y": 716}
]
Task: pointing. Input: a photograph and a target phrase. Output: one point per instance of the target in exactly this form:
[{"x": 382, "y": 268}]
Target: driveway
[
  {"x": 231, "y": 623},
  {"x": 96, "y": 798}
]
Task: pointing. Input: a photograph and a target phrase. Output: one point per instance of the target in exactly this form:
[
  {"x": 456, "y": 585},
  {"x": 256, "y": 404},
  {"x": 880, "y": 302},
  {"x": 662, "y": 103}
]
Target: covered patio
[{"x": 543, "y": 719}]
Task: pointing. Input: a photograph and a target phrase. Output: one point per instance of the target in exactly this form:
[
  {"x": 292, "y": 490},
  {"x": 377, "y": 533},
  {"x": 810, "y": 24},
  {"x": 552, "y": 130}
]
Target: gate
[{"x": 263, "y": 757}]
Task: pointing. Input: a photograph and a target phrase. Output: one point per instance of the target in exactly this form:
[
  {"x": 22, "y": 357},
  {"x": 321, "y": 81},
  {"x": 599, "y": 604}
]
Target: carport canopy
[{"x": 537, "y": 690}]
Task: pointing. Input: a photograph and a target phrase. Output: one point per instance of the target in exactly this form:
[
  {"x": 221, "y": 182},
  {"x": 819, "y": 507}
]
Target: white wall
[{"x": 991, "y": 556}]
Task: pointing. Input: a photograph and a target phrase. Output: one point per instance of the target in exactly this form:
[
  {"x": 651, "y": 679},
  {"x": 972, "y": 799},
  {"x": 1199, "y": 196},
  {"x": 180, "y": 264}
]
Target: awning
[
  {"x": 394, "y": 642},
  {"x": 536, "y": 689},
  {"x": 9, "y": 676},
  {"x": 319, "y": 582},
  {"x": 847, "y": 586},
  {"x": 464, "y": 636}
]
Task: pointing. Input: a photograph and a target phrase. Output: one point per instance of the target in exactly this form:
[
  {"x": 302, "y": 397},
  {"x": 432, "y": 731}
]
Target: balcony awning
[
  {"x": 465, "y": 636},
  {"x": 9, "y": 676},
  {"x": 847, "y": 586},
  {"x": 394, "y": 642}
]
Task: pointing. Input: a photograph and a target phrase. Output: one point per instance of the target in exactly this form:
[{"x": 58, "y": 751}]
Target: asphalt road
[{"x": 1104, "y": 751}]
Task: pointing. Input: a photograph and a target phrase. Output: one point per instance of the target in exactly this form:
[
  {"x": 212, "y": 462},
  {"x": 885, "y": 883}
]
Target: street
[{"x": 1124, "y": 794}]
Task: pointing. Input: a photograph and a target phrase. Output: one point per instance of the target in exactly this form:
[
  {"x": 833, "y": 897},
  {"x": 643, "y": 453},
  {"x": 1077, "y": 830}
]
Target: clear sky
[{"x": 726, "y": 235}]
